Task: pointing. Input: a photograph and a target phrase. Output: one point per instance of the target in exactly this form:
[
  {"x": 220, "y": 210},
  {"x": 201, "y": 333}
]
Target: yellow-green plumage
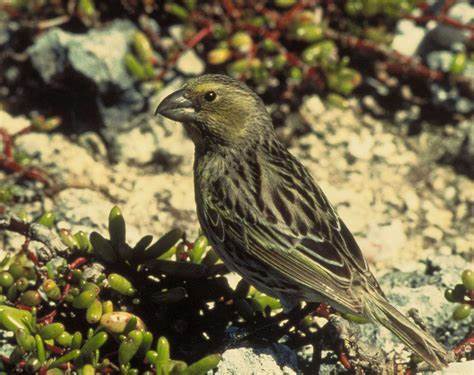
[{"x": 265, "y": 216}]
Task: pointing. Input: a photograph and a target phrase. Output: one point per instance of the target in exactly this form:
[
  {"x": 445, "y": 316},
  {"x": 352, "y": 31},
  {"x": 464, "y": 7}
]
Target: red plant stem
[
  {"x": 48, "y": 318},
  {"x": 65, "y": 291},
  {"x": 7, "y": 144},
  {"x": 441, "y": 19},
  {"x": 199, "y": 36},
  {"x": 286, "y": 18},
  {"x": 25, "y": 130},
  {"x": 23, "y": 307},
  {"x": 78, "y": 262},
  {"x": 54, "y": 349},
  {"x": 231, "y": 8},
  {"x": 344, "y": 360}
]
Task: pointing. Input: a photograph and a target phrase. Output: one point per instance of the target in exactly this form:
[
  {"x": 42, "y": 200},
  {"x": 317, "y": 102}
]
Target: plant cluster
[
  {"x": 155, "y": 307},
  {"x": 463, "y": 295},
  {"x": 282, "y": 48}
]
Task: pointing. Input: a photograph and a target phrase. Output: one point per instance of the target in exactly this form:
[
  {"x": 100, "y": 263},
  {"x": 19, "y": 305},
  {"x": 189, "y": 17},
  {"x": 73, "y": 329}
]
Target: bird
[{"x": 267, "y": 218}]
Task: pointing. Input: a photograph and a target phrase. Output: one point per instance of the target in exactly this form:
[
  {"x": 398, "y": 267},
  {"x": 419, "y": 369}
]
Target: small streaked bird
[{"x": 267, "y": 218}]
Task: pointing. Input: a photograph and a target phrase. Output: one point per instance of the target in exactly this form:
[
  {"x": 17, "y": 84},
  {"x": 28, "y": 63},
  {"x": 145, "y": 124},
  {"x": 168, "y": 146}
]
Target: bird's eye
[{"x": 210, "y": 96}]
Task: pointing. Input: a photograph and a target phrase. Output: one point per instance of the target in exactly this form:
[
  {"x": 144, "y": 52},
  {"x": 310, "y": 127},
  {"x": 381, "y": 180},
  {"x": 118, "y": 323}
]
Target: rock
[
  {"x": 63, "y": 159},
  {"x": 360, "y": 147},
  {"x": 446, "y": 36},
  {"x": 384, "y": 242},
  {"x": 275, "y": 360},
  {"x": 95, "y": 76},
  {"x": 58, "y": 53},
  {"x": 189, "y": 63},
  {"x": 421, "y": 285},
  {"x": 408, "y": 37},
  {"x": 440, "y": 60},
  {"x": 457, "y": 368}
]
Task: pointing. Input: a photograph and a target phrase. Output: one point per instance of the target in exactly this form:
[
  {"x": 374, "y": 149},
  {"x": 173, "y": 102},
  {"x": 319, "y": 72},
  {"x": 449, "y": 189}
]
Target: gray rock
[
  {"x": 189, "y": 63},
  {"x": 274, "y": 360},
  {"x": 440, "y": 60},
  {"x": 421, "y": 285},
  {"x": 91, "y": 66},
  {"x": 408, "y": 37},
  {"x": 56, "y": 52},
  {"x": 446, "y": 36}
]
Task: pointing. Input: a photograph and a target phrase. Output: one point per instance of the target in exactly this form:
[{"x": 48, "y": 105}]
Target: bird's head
[{"x": 217, "y": 109}]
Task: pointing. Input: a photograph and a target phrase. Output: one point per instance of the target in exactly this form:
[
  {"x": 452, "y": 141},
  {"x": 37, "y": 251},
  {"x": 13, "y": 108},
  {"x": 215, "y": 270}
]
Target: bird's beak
[{"x": 177, "y": 107}]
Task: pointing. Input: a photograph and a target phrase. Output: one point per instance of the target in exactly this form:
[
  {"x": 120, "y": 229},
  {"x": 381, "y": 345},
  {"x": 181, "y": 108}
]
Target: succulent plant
[
  {"x": 149, "y": 311},
  {"x": 463, "y": 295}
]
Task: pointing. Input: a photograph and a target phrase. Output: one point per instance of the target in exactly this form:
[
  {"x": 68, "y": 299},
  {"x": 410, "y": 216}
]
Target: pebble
[{"x": 189, "y": 63}]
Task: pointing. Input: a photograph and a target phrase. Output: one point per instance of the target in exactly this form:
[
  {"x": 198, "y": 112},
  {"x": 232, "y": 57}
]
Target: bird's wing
[{"x": 284, "y": 220}]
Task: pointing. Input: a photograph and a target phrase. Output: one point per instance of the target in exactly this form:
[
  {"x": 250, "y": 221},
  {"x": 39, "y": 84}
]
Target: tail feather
[{"x": 421, "y": 342}]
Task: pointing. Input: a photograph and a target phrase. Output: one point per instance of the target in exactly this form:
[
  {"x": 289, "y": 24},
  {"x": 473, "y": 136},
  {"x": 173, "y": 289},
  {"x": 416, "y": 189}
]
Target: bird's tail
[{"x": 421, "y": 342}]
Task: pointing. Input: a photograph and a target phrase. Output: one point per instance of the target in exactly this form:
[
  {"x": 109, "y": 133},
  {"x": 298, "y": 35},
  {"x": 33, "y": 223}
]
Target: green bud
[
  {"x": 134, "y": 67},
  {"x": 91, "y": 286},
  {"x": 84, "y": 300},
  {"x": 94, "y": 312},
  {"x": 68, "y": 239},
  {"x": 12, "y": 318},
  {"x": 146, "y": 343},
  {"x": 47, "y": 219},
  {"x": 162, "y": 363},
  {"x": 54, "y": 294},
  {"x": 242, "y": 41},
  {"x": 64, "y": 339},
  {"x": 308, "y": 32},
  {"x": 116, "y": 227},
  {"x": 30, "y": 298},
  {"x": 94, "y": 343},
  {"x": 121, "y": 284},
  {"x": 238, "y": 67},
  {"x": 449, "y": 295},
  {"x": 284, "y": 3},
  {"x": 25, "y": 340},
  {"x": 462, "y": 311},
  {"x": 151, "y": 356},
  {"x": 219, "y": 56},
  {"x": 40, "y": 352},
  {"x": 12, "y": 293},
  {"x": 51, "y": 331},
  {"x": 22, "y": 284},
  {"x": 323, "y": 53},
  {"x": 130, "y": 346},
  {"x": 203, "y": 365},
  {"x": 177, "y": 10},
  {"x": 68, "y": 357},
  {"x": 6, "y": 279},
  {"x": 102, "y": 248},
  {"x": 87, "y": 370},
  {"x": 344, "y": 81},
  {"x": 198, "y": 250},
  {"x": 76, "y": 340},
  {"x": 178, "y": 367},
  {"x": 107, "y": 307},
  {"x": 17, "y": 270},
  {"x": 82, "y": 241},
  {"x": 165, "y": 243},
  {"x": 144, "y": 50},
  {"x": 468, "y": 279}
]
